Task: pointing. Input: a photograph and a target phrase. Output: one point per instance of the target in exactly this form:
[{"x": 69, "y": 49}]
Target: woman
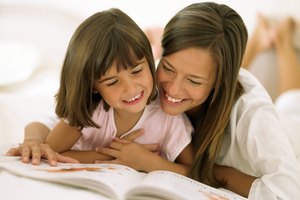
[{"x": 239, "y": 143}]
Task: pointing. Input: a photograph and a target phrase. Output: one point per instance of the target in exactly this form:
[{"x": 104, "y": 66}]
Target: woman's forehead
[{"x": 193, "y": 61}]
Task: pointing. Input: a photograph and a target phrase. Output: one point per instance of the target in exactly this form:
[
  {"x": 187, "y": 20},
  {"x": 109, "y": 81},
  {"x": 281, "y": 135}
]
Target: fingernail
[
  {"x": 53, "y": 162},
  {"x": 34, "y": 161}
]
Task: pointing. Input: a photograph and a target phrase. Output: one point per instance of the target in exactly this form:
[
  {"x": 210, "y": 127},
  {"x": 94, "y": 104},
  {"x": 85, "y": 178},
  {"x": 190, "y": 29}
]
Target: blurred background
[{"x": 34, "y": 35}]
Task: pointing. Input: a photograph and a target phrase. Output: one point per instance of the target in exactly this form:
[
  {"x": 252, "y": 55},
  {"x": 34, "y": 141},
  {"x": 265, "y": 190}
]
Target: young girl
[{"x": 107, "y": 89}]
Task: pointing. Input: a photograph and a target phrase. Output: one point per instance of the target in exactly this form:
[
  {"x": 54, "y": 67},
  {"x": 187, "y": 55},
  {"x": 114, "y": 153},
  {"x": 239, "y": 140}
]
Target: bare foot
[
  {"x": 262, "y": 38},
  {"x": 283, "y": 33}
]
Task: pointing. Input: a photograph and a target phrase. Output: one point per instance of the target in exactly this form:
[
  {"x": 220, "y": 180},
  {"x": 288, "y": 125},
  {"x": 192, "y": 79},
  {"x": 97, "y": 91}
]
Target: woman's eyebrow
[
  {"x": 189, "y": 75},
  {"x": 166, "y": 61}
]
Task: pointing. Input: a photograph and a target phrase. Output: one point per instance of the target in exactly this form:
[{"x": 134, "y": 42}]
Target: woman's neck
[
  {"x": 193, "y": 115},
  {"x": 125, "y": 121}
]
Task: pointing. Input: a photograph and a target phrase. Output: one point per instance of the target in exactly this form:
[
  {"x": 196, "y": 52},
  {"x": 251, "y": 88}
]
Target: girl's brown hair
[
  {"x": 104, "y": 37},
  {"x": 219, "y": 29}
]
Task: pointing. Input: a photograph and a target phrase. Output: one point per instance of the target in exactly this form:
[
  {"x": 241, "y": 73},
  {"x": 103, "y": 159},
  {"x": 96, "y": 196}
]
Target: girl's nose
[{"x": 129, "y": 86}]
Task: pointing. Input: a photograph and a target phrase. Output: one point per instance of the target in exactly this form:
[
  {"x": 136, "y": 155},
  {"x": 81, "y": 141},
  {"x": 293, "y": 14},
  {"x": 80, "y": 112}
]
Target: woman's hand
[{"x": 36, "y": 149}]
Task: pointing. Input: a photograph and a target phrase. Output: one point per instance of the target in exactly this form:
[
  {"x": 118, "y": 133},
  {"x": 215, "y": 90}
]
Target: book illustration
[{"x": 120, "y": 182}]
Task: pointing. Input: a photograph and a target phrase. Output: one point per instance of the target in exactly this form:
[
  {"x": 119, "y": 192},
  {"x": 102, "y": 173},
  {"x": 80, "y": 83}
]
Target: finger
[
  {"x": 25, "y": 152},
  {"x": 36, "y": 154},
  {"x": 134, "y": 135},
  {"x": 13, "y": 152},
  {"x": 116, "y": 145},
  {"x": 110, "y": 152},
  {"x": 49, "y": 154},
  {"x": 121, "y": 140},
  {"x": 151, "y": 147},
  {"x": 65, "y": 159}
]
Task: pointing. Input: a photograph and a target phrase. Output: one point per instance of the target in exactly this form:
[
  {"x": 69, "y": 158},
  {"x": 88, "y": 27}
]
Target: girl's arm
[
  {"x": 86, "y": 156},
  {"x": 62, "y": 138},
  {"x": 33, "y": 146}
]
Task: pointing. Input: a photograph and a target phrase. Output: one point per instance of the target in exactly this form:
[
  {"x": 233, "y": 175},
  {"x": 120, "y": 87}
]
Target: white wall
[
  {"x": 155, "y": 12},
  {"x": 47, "y": 25}
]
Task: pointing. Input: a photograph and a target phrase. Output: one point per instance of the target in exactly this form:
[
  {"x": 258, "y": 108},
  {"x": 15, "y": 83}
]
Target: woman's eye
[{"x": 194, "y": 82}]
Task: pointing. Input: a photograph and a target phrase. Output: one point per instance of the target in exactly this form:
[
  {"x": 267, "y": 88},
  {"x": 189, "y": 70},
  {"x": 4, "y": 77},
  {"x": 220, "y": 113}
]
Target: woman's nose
[{"x": 173, "y": 87}]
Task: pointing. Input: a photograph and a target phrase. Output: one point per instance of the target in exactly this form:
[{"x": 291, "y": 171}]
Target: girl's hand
[
  {"x": 36, "y": 149},
  {"x": 126, "y": 151},
  {"x": 130, "y": 153}
]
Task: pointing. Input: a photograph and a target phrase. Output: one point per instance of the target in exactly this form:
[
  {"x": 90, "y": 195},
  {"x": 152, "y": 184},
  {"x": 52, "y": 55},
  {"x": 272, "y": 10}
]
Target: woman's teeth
[{"x": 173, "y": 100}]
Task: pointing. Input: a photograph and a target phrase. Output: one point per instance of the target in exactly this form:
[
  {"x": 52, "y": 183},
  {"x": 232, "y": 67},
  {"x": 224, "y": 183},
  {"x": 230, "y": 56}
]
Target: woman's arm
[{"x": 231, "y": 179}]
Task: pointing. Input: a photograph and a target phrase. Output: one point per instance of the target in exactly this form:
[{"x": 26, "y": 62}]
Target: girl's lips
[{"x": 136, "y": 99}]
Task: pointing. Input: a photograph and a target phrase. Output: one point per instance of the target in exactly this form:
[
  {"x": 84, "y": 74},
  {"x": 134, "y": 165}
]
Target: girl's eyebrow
[
  {"x": 106, "y": 79},
  {"x": 112, "y": 77}
]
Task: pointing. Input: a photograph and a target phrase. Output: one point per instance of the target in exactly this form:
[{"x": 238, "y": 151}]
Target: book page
[
  {"x": 110, "y": 180},
  {"x": 169, "y": 185}
]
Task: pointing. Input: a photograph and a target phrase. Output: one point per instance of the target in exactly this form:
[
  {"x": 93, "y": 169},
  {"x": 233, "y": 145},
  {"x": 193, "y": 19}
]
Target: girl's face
[
  {"x": 185, "y": 80},
  {"x": 126, "y": 90}
]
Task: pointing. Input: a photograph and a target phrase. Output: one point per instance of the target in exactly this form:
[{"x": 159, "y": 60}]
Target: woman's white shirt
[{"x": 256, "y": 143}]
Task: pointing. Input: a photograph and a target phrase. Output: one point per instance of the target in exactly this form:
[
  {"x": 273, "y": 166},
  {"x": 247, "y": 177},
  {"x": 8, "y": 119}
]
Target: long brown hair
[
  {"x": 219, "y": 29},
  {"x": 106, "y": 36}
]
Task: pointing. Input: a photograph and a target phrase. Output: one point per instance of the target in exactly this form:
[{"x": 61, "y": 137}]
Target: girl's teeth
[
  {"x": 134, "y": 98},
  {"x": 173, "y": 100}
]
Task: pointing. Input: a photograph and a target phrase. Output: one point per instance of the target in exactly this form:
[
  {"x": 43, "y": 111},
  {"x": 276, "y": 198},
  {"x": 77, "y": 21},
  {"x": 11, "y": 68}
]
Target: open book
[{"x": 121, "y": 182}]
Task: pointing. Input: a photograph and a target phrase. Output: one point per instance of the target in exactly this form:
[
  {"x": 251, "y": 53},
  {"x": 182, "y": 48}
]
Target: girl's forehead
[{"x": 116, "y": 66}]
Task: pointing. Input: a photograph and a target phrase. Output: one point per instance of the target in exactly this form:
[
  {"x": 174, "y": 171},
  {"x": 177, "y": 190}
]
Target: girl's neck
[{"x": 125, "y": 121}]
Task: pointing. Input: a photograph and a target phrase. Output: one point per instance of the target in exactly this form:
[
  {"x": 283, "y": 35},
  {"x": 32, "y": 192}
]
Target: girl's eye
[
  {"x": 137, "y": 71},
  {"x": 111, "y": 83}
]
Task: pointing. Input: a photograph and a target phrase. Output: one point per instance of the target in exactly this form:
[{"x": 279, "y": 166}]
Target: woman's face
[{"x": 185, "y": 80}]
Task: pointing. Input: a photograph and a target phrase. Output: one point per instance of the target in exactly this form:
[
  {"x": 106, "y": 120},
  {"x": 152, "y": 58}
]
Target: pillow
[{"x": 17, "y": 62}]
